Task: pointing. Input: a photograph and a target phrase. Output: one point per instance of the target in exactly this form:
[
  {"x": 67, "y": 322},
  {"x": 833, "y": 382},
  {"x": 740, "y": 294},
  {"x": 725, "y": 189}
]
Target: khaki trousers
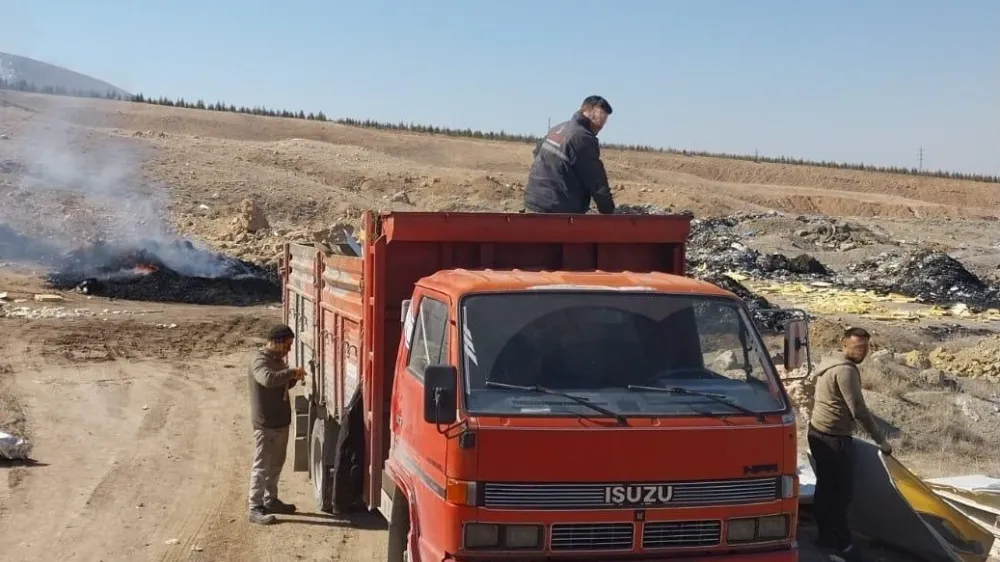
[{"x": 270, "y": 447}]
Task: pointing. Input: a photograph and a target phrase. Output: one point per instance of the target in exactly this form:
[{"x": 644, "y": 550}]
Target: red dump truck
[{"x": 540, "y": 387}]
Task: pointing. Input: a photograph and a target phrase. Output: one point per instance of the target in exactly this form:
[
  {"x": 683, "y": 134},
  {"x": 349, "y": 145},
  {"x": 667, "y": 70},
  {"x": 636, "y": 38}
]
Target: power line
[{"x": 920, "y": 159}]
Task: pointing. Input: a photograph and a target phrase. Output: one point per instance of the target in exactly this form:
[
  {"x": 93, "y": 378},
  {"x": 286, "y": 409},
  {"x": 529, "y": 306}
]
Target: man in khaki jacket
[
  {"x": 271, "y": 415},
  {"x": 839, "y": 404}
]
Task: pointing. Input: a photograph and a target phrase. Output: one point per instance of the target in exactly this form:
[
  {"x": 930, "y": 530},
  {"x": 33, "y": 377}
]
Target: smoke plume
[{"x": 64, "y": 186}]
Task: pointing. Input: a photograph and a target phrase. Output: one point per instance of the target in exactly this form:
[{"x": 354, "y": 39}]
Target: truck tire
[
  {"x": 319, "y": 469},
  {"x": 399, "y": 529}
]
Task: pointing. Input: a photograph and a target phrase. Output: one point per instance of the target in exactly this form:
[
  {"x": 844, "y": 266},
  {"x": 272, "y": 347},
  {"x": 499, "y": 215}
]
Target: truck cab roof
[{"x": 458, "y": 282}]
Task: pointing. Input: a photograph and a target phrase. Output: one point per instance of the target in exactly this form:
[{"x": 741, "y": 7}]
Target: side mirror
[
  {"x": 404, "y": 309},
  {"x": 440, "y": 394},
  {"x": 796, "y": 343}
]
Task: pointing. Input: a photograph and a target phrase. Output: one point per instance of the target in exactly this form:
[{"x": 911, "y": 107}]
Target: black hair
[
  {"x": 280, "y": 333},
  {"x": 596, "y": 101},
  {"x": 859, "y": 333}
]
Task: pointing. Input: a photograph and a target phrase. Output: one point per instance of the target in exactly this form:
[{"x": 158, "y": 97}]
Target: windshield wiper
[
  {"x": 545, "y": 390},
  {"x": 713, "y": 397}
]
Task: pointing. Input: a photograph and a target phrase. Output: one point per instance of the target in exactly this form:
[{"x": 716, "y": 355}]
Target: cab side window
[{"x": 430, "y": 337}]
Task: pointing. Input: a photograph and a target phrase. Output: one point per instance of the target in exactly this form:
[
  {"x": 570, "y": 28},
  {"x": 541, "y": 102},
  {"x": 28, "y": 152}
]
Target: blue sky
[{"x": 850, "y": 80}]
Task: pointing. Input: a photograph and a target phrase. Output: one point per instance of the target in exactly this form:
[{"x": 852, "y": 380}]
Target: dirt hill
[{"x": 14, "y": 68}]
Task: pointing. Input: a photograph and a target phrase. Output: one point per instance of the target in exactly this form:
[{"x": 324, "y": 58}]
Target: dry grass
[
  {"x": 945, "y": 430},
  {"x": 935, "y": 429},
  {"x": 891, "y": 379}
]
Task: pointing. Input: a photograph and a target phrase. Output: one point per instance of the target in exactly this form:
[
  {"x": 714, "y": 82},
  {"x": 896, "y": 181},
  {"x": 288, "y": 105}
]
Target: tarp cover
[
  {"x": 977, "y": 496},
  {"x": 895, "y": 507}
]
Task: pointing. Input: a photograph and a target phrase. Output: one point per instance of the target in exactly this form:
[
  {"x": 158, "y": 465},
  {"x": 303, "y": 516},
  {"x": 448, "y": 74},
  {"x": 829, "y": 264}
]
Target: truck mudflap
[
  {"x": 891, "y": 505},
  {"x": 349, "y": 462}
]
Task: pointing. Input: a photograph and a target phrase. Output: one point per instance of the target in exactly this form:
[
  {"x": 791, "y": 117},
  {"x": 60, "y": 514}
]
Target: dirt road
[{"x": 142, "y": 445}]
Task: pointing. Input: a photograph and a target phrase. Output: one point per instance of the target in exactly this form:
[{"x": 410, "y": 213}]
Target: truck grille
[
  {"x": 596, "y": 496},
  {"x": 676, "y": 534},
  {"x": 592, "y": 536}
]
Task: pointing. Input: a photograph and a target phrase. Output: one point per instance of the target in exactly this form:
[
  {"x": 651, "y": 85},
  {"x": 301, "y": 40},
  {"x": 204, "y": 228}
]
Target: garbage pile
[
  {"x": 928, "y": 276},
  {"x": 165, "y": 272},
  {"x": 626, "y": 209},
  {"x": 716, "y": 246},
  {"x": 833, "y": 234},
  {"x": 719, "y": 246}
]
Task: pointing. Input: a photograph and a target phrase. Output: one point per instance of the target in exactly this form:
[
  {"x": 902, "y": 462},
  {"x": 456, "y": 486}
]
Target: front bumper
[{"x": 785, "y": 555}]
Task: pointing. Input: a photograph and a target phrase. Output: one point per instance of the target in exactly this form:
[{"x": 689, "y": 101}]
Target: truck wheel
[
  {"x": 399, "y": 529},
  {"x": 319, "y": 471}
]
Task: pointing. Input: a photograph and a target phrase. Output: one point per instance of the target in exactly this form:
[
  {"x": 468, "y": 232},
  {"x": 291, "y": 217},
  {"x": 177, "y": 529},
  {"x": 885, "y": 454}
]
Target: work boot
[
  {"x": 258, "y": 516},
  {"x": 849, "y": 554},
  {"x": 279, "y": 507}
]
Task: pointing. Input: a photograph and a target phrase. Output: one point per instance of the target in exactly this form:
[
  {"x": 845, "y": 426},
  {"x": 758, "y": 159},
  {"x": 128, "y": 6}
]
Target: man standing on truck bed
[
  {"x": 271, "y": 414},
  {"x": 567, "y": 172},
  {"x": 839, "y": 403}
]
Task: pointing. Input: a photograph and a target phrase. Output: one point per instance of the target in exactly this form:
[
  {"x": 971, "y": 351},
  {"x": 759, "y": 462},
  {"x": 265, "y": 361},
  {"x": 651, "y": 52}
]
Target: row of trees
[{"x": 23, "y": 86}]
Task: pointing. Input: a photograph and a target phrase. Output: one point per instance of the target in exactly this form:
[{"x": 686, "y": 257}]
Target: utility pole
[
  {"x": 920, "y": 159},
  {"x": 549, "y": 126}
]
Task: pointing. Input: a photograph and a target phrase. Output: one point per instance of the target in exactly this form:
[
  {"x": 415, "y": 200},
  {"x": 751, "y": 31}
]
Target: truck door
[{"x": 417, "y": 444}]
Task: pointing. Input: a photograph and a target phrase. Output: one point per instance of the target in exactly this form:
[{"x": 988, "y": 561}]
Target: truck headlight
[
  {"x": 772, "y": 527},
  {"x": 482, "y": 535},
  {"x": 741, "y": 530},
  {"x": 752, "y": 529},
  {"x": 522, "y": 536},
  {"x": 486, "y": 536}
]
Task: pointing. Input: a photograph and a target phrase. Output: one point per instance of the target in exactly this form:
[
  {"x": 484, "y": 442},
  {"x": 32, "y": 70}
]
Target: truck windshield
[{"x": 631, "y": 353}]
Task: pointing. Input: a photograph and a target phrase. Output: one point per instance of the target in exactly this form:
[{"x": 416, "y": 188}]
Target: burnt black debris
[
  {"x": 929, "y": 276},
  {"x": 627, "y": 209},
  {"x": 941, "y": 332},
  {"x": 803, "y": 264},
  {"x": 716, "y": 245},
  {"x": 165, "y": 272}
]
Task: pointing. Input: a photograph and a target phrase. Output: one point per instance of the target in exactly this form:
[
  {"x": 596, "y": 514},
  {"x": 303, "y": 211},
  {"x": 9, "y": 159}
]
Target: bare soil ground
[
  {"x": 140, "y": 430},
  {"x": 141, "y": 443}
]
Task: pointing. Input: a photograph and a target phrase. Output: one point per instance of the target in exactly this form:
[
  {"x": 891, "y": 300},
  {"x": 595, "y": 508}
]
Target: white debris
[
  {"x": 14, "y": 448},
  {"x": 171, "y": 542},
  {"x": 44, "y": 312}
]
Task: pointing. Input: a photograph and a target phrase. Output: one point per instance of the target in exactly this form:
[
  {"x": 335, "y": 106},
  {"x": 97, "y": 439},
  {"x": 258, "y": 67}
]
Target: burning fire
[
  {"x": 165, "y": 272},
  {"x": 144, "y": 269}
]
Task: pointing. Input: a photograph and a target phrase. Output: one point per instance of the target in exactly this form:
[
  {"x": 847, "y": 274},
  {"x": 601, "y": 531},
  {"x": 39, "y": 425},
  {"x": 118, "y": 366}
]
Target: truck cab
[{"x": 582, "y": 412}]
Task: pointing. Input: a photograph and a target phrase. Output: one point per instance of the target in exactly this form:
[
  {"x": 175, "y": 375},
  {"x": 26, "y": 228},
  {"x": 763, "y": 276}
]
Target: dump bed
[{"x": 346, "y": 310}]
